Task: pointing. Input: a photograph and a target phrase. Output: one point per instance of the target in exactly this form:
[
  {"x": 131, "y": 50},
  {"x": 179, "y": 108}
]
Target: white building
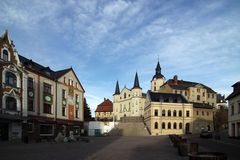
[
  {"x": 234, "y": 111},
  {"x": 128, "y": 102}
]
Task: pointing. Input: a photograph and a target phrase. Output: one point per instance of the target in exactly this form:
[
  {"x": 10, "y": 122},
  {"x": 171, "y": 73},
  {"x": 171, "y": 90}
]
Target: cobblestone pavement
[{"x": 104, "y": 148}]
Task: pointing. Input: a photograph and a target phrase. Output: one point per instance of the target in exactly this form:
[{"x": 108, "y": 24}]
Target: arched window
[
  {"x": 174, "y": 125},
  {"x": 180, "y": 113},
  {"x": 169, "y": 113},
  {"x": 5, "y": 55},
  {"x": 180, "y": 126},
  {"x": 11, "y": 104},
  {"x": 174, "y": 113},
  {"x": 163, "y": 125},
  {"x": 156, "y": 125},
  {"x": 169, "y": 125},
  {"x": 163, "y": 113},
  {"x": 124, "y": 95},
  {"x": 11, "y": 79}
]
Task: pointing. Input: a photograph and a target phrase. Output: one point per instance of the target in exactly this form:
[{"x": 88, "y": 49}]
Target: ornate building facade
[
  {"x": 36, "y": 100},
  {"x": 128, "y": 102}
]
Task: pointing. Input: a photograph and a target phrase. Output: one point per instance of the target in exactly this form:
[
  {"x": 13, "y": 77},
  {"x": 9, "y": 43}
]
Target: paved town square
[{"x": 104, "y": 148}]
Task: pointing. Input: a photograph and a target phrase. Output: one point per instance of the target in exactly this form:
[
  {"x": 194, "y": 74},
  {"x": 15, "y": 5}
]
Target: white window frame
[{"x": 4, "y": 48}]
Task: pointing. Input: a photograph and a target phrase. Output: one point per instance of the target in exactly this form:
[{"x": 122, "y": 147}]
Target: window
[
  {"x": 63, "y": 111},
  {"x": 169, "y": 113},
  {"x": 76, "y": 85},
  {"x": 185, "y": 93},
  {"x": 207, "y": 113},
  {"x": 155, "y": 112},
  {"x": 198, "y": 97},
  {"x": 154, "y": 88},
  {"x": 47, "y": 88},
  {"x": 30, "y": 83},
  {"x": 169, "y": 125},
  {"x": 76, "y": 99},
  {"x": 212, "y": 95},
  {"x": 198, "y": 90},
  {"x": 176, "y": 91},
  {"x": 238, "y": 107},
  {"x": 187, "y": 113},
  {"x": 64, "y": 79},
  {"x": 163, "y": 125},
  {"x": 232, "y": 109},
  {"x": 208, "y": 95},
  {"x": 47, "y": 108},
  {"x": 76, "y": 113},
  {"x": 180, "y": 113},
  {"x": 46, "y": 130},
  {"x": 30, "y": 127},
  {"x": 203, "y": 94},
  {"x": 180, "y": 125},
  {"x": 174, "y": 125},
  {"x": 197, "y": 113},
  {"x": 156, "y": 125},
  {"x": 124, "y": 95},
  {"x": 180, "y": 92},
  {"x": 64, "y": 94},
  {"x": 30, "y": 104},
  {"x": 5, "y": 55},
  {"x": 163, "y": 113},
  {"x": 202, "y": 113},
  {"x": 174, "y": 113},
  {"x": 11, "y": 104},
  {"x": 11, "y": 79}
]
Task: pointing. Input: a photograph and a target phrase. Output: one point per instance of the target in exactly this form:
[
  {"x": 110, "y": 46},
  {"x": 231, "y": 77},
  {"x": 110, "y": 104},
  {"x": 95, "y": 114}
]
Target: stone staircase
[{"x": 130, "y": 126}]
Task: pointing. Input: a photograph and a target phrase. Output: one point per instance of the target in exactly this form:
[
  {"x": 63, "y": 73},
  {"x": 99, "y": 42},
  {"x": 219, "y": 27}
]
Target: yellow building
[
  {"x": 104, "y": 111},
  {"x": 168, "y": 113}
]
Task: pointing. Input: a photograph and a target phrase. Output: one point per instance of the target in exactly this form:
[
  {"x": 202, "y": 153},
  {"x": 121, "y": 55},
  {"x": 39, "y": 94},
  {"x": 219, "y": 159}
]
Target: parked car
[{"x": 206, "y": 134}]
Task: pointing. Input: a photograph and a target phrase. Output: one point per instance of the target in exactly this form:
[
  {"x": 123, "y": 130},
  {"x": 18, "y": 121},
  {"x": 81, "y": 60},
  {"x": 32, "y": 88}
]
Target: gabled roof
[
  {"x": 105, "y": 106},
  {"x": 46, "y": 71},
  {"x": 166, "y": 97},
  {"x": 183, "y": 85},
  {"x": 60, "y": 73}
]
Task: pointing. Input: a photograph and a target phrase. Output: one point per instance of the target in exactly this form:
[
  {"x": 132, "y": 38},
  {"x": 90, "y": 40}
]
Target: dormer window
[{"x": 5, "y": 55}]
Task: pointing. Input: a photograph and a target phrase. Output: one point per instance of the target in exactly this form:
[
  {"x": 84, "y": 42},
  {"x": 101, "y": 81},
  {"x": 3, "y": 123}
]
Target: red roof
[{"x": 105, "y": 106}]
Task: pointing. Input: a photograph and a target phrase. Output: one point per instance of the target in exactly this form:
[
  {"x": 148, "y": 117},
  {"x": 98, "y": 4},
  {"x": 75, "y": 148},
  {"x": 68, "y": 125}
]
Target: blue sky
[{"x": 105, "y": 41}]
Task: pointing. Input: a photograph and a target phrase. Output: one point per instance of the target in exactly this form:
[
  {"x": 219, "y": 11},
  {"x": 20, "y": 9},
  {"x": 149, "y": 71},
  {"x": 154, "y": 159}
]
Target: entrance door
[
  {"x": 233, "y": 130},
  {"x": 187, "y": 128},
  {"x": 3, "y": 131}
]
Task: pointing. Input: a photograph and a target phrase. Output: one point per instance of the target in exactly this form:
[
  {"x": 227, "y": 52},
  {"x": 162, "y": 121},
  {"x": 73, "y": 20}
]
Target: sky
[{"x": 109, "y": 40}]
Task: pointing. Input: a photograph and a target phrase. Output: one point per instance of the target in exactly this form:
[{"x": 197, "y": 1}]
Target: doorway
[
  {"x": 3, "y": 131},
  {"x": 187, "y": 128}
]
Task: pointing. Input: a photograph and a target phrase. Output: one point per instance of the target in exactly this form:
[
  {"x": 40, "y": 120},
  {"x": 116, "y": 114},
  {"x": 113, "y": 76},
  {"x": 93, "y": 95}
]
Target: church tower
[
  {"x": 157, "y": 80},
  {"x": 137, "y": 97}
]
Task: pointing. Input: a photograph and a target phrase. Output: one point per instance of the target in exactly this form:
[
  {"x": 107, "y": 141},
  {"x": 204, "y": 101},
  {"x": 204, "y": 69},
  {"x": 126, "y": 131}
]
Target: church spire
[
  {"x": 158, "y": 69},
  {"x": 117, "y": 91},
  {"x": 136, "y": 82}
]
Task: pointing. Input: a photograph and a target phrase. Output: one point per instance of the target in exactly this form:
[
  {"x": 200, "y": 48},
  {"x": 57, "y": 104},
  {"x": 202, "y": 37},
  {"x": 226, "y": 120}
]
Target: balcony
[{"x": 10, "y": 112}]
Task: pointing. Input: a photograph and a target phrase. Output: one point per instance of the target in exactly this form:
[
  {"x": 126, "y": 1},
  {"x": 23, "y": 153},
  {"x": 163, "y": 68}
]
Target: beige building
[
  {"x": 128, "y": 102},
  {"x": 197, "y": 98},
  {"x": 104, "y": 111},
  {"x": 168, "y": 113},
  {"x": 234, "y": 111}
]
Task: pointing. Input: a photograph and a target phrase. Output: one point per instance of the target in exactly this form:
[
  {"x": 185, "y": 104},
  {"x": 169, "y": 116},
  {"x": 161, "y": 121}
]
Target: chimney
[{"x": 175, "y": 80}]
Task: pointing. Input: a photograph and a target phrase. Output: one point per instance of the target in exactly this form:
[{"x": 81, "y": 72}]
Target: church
[{"x": 128, "y": 102}]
